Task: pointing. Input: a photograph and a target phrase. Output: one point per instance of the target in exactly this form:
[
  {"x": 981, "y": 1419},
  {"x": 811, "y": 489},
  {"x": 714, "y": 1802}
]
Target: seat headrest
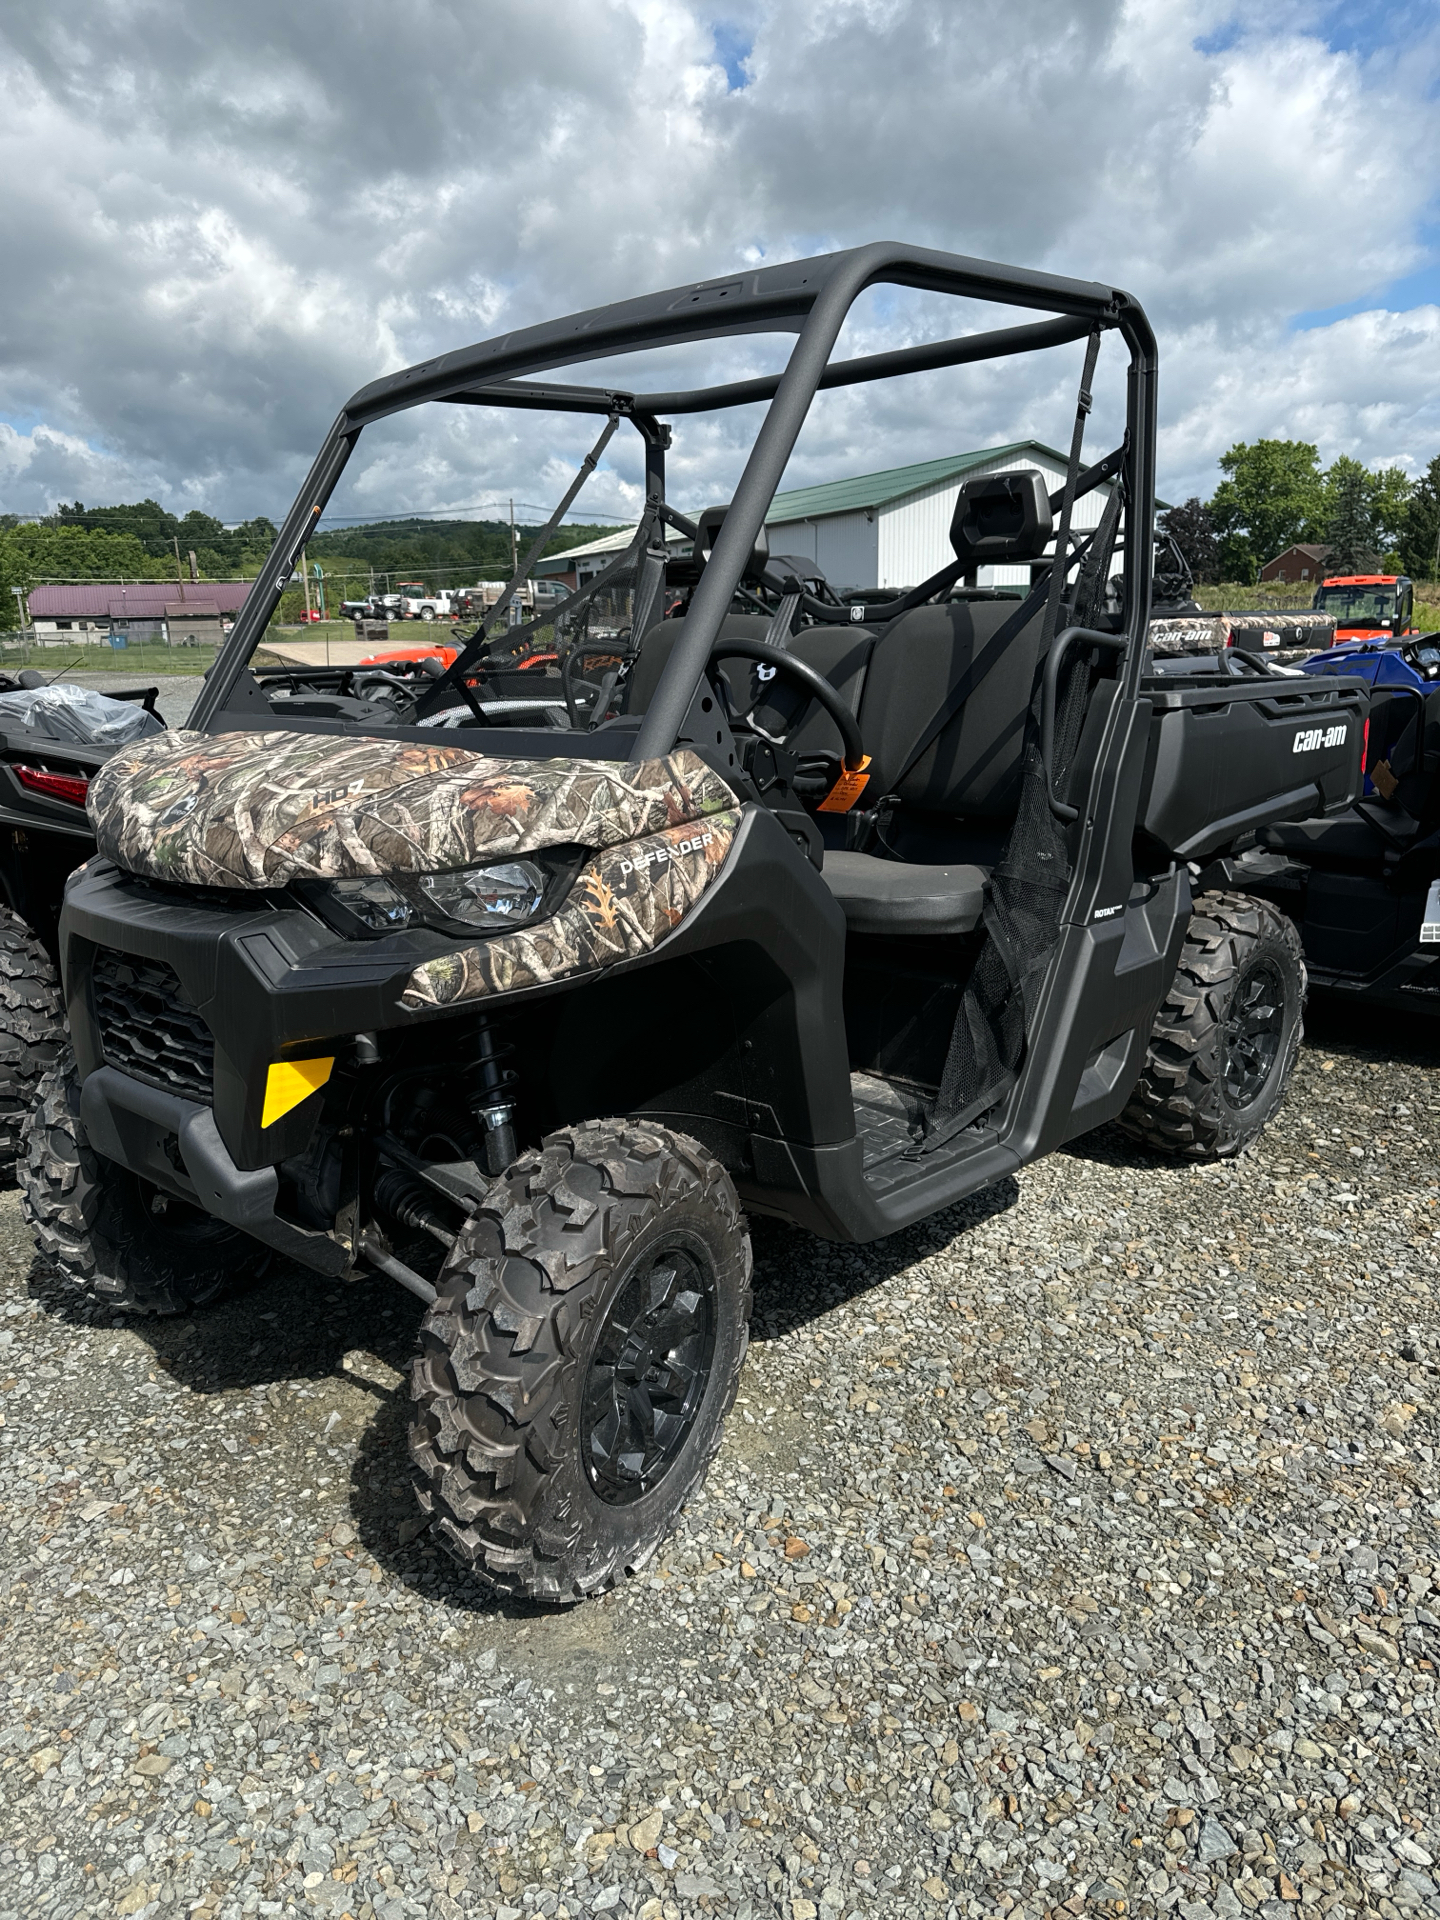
[
  {"x": 708, "y": 525},
  {"x": 1002, "y": 516},
  {"x": 788, "y": 566}
]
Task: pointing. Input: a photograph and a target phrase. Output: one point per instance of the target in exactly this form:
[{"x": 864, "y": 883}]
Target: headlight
[
  {"x": 377, "y": 905},
  {"x": 505, "y": 896},
  {"x": 470, "y": 900}
]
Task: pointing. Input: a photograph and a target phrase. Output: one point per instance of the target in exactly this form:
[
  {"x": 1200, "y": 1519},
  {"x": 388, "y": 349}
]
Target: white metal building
[
  {"x": 578, "y": 566},
  {"x": 893, "y": 529}
]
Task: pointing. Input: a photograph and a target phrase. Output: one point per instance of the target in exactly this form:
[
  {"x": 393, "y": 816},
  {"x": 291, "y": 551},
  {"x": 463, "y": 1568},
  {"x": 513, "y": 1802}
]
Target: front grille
[{"x": 147, "y": 1027}]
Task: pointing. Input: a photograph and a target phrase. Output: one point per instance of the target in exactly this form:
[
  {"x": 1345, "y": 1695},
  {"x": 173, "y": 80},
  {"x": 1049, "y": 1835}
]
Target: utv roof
[
  {"x": 763, "y": 300},
  {"x": 1364, "y": 579},
  {"x": 810, "y": 298}
]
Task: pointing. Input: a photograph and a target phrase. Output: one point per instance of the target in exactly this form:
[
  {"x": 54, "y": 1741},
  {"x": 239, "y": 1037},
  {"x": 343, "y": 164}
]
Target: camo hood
[{"x": 262, "y": 809}]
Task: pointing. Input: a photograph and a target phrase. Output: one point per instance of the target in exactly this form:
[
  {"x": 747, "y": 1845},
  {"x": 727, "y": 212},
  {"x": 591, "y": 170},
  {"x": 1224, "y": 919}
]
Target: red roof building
[{"x": 112, "y": 606}]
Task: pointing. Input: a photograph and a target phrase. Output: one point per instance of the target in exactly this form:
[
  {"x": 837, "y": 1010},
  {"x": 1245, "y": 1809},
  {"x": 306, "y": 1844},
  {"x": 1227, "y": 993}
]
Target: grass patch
[
  {"x": 1228, "y": 597},
  {"x": 143, "y": 663}
]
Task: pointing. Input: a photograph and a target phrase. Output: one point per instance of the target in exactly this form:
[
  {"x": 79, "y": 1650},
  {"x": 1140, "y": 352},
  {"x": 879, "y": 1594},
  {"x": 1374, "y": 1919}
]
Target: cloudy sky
[{"x": 218, "y": 221}]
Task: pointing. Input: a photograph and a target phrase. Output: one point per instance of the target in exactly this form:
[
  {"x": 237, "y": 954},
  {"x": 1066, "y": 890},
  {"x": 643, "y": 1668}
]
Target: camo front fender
[{"x": 623, "y": 903}]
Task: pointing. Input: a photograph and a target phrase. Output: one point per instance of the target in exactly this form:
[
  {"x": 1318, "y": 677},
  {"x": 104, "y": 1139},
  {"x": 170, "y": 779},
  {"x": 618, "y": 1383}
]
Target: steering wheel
[
  {"x": 589, "y": 676},
  {"x": 387, "y": 690},
  {"x": 804, "y": 676}
]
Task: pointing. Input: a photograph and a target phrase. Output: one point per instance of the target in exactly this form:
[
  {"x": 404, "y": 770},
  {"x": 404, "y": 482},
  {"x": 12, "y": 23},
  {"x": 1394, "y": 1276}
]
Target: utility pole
[
  {"x": 305, "y": 582},
  {"x": 175, "y": 542},
  {"x": 514, "y": 544}
]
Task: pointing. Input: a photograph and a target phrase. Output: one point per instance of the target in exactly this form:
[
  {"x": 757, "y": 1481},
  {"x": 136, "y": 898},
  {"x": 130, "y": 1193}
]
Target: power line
[{"x": 102, "y": 518}]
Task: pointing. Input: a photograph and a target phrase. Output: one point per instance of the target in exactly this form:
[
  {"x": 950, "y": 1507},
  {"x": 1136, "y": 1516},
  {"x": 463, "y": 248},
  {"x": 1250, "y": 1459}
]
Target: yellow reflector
[{"x": 291, "y": 1081}]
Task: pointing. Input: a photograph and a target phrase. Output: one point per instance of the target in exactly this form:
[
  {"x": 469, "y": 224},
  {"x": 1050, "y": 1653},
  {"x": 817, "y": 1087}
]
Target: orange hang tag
[{"x": 846, "y": 790}]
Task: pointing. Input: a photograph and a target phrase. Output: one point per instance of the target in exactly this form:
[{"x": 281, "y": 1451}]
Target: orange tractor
[{"x": 1368, "y": 606}]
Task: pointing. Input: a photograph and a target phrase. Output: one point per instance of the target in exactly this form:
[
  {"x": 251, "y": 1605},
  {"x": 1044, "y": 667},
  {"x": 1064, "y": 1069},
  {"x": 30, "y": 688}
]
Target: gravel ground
[{"x": 1077, "y": 1551}]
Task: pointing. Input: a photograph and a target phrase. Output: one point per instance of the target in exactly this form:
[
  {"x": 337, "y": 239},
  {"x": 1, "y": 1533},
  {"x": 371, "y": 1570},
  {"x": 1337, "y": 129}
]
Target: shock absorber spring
[{"x": 495, "y": 1099}]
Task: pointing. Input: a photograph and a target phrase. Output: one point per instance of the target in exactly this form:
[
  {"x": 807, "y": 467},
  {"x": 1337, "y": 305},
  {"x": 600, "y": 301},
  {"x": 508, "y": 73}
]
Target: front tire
[
  {"x": 32, "y": 1028},
  {"x": 578, "y": 1363},
  {"x": 122, "y": 1242},
  {"x": 1224, "y": 1042}
]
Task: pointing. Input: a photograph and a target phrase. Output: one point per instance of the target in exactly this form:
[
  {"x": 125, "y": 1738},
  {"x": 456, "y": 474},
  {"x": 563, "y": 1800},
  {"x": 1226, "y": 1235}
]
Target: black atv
[
  {"x": 1363, "y": 886},
  {"x": 833, "y": 913}
]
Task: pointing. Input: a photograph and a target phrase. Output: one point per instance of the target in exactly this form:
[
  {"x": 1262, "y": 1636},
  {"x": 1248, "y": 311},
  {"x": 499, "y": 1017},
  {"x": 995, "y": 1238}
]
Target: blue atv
[{"x": 1363, "y": 886}]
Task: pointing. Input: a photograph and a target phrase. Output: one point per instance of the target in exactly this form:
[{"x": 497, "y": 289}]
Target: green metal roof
[{"x": 879, "y": 489}]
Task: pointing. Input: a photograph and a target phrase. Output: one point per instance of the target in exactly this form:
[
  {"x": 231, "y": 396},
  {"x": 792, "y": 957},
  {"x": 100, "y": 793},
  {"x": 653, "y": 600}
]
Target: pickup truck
[{"x": 428, "y": 606}]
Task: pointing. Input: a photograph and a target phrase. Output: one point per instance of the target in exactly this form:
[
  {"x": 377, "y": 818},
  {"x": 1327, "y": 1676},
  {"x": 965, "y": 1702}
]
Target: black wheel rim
[
  {"x": 648, "y": 1373},
  {"x": 1254, "y": 1028}
]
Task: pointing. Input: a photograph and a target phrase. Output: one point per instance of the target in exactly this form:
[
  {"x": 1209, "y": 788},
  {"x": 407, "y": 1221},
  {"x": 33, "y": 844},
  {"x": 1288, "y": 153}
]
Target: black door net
[{"x": 1029, "y": 886}]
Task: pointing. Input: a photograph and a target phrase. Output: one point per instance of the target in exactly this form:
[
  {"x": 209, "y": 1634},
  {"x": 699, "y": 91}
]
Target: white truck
[{"x": 427, "y": 606}]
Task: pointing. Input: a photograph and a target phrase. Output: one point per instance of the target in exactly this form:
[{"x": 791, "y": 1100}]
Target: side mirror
[{"x": 1004, "y": 516}]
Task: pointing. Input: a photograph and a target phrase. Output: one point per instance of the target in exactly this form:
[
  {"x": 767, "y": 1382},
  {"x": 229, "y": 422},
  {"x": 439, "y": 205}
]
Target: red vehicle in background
[
  {"x": 1368, "y": 606},
  {"x": 398, "y": 656}
]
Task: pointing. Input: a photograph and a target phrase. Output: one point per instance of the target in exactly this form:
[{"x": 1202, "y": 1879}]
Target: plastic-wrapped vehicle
[
  {"x": 53, "y": 738},
  {"x": 831, "y": 918}
]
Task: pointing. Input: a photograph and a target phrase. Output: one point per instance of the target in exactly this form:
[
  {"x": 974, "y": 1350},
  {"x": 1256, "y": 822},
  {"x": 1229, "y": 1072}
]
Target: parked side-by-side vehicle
[{"x": 827, "y": 912}]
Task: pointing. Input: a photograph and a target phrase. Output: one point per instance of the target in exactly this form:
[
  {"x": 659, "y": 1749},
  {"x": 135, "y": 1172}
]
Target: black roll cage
[{"x": 810, "y": 298}]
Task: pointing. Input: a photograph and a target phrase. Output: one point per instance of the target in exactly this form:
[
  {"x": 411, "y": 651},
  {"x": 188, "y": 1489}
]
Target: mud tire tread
[
  {"x": 1176, "y": 1106},
  {"x": 32, "y": 1028},
  {"x": 88, "y": 1226},
  {"x": 496, "y": 1384}
]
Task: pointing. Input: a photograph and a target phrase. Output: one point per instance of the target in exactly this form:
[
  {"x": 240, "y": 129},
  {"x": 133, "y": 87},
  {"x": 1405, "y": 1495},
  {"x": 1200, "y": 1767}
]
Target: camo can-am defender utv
[{"x": 832, "y": 912}]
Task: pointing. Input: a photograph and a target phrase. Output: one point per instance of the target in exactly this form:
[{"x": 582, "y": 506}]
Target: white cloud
[{"x": 222, "y": 221}]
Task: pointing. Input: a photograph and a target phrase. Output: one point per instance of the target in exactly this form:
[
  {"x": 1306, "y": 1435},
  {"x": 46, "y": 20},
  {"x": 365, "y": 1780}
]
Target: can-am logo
[{"x": 1312, "y": 739}]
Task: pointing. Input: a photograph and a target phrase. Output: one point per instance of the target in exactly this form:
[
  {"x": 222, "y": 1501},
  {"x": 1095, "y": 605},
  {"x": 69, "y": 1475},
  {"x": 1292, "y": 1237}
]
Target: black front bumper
[
  {"x": 134, "y": 1125},
  {"x": 269, "y": 983}
]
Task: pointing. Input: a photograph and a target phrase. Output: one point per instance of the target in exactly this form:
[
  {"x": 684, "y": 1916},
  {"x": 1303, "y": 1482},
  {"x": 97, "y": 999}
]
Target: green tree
[
  {"x": 1391, "y": 488},
  {"x": 49, "y": 552},
  {"x": 147, "y": 520},
  {"x": 15, "y": 571},
  {"x": 1350, "y": 522},
  {"x": 1193, "y": 531},
  {"x": 1271, "y": 497},
  {"x": 221, "y": 553},
  {"x": 1419, "y": 541}
]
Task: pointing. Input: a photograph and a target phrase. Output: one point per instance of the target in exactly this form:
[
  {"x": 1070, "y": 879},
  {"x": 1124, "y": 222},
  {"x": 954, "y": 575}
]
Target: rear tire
[
  {"x": 117, "y": 1239},
  {"x": 32, "y": 1028},
  {"x": 577, "y": 1366},
  {"x": 1224, "y": 1042}
]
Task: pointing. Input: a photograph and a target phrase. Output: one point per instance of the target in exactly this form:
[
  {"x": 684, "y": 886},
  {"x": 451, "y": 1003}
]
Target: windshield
[{"x": 1358, "y": 606}]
